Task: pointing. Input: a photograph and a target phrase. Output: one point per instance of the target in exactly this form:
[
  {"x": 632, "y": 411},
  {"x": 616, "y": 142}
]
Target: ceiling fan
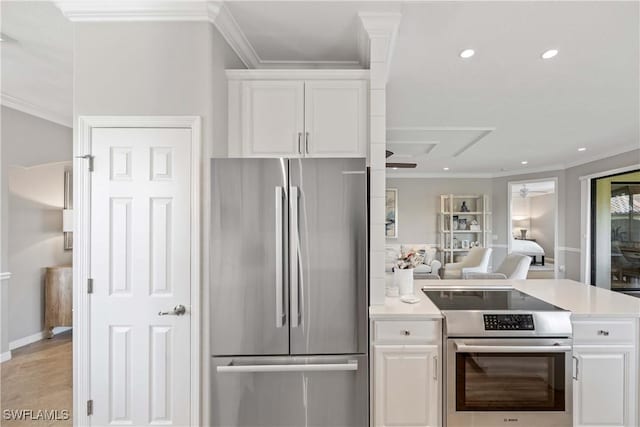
[
  {"x": 524, "y": 191},
  {"x": 399, "y": 165}
]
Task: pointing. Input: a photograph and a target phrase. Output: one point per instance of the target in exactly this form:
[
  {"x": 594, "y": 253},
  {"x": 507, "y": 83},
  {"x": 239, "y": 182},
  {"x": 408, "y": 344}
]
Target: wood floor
[{"x": 38, "y": 377}]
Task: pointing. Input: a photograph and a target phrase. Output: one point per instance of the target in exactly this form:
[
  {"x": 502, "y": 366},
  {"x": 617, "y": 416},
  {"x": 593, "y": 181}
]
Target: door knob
[{"x": 178, "y": 310}]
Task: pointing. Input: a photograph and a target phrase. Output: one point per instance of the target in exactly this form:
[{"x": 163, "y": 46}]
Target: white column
[{"x": 380, "y": 30}]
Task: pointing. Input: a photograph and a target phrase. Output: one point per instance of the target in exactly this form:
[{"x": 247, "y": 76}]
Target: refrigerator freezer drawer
[{"x": 316, "y": 391}]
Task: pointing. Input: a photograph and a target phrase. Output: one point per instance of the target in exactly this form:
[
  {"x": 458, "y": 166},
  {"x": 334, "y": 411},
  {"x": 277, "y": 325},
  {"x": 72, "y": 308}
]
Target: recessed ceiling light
[
  {"x": 549, "y": 53},
  {"x": 395, "y": 169},
  {"x": 446, "y": 169},
  {"x": 524, "y": 162},
  {"x": 467, "y": 53},
  {"x": 582, "y": 149}
]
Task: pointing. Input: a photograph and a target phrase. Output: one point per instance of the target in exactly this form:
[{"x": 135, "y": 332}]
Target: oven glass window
[{"x": 510, "y": 382}]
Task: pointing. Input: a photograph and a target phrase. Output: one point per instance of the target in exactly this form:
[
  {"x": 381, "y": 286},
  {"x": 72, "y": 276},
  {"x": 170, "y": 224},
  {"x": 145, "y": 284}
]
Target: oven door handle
[{"x": 464, "y": 348}]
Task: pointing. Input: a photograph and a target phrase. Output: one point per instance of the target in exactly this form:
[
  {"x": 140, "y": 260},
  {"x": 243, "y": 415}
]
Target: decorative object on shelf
[
  {"x": 67, "y": 212},
  {"x": 474, "y": 226},
  {"x": 465, "y": 244},
  {"x": 462, "y": 224},
  {"x": 523, "y": 233},
  {"x": 455, "y": 222},
  {"x": 455, "y": 243},
  {"x": 391, "y": 213},
  {"x": 464, "y": 207},
  {"x": 475, "y": 244}
]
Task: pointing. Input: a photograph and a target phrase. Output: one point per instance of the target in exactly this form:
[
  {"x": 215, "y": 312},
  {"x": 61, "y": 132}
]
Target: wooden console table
[{"x": 58, "y": 298}]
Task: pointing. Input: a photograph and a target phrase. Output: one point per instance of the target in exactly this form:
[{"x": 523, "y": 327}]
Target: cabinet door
[
  {"x": 406, "y": 385},
  {"x": 272, "y": 118},
  {"x": 604, "y": 393},
  {"x": 336, "y": 118}
]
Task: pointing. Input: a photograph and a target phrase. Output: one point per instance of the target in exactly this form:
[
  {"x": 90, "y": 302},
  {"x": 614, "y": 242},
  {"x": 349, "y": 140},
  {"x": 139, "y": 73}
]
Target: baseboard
[
  {"x": 5, "y": 356},
  {"x": 21, "y": 342}
]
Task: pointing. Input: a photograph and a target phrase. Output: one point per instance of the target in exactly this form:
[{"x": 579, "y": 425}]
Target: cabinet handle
[
  {"x": 299, "y": 142},
  {"x": 603, "y": 333},
  {"x": 577, "y": 370},
  {"x": 405, "y": 332},
  {"x": 306, "y": 142},
  {"x": 435, "y": 368}
]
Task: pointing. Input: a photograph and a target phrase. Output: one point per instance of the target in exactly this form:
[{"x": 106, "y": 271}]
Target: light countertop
[{"x": 580, "y": 299}]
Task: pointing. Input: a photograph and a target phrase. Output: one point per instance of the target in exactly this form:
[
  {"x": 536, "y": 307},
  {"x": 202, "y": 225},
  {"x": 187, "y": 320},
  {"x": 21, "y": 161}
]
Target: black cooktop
[{"x": 489, "y": 300}]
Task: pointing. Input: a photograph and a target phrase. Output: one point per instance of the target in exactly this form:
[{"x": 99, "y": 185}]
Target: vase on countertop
[{"x": 403, "y": 279}]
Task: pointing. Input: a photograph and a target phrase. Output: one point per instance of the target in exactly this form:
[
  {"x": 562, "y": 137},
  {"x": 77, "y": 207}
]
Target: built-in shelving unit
[{"x": 455, "y": 240}]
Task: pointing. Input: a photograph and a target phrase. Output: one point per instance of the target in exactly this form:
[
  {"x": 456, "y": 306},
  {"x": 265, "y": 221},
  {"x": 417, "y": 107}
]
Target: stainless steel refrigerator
[{"x": 289, "y": 293}]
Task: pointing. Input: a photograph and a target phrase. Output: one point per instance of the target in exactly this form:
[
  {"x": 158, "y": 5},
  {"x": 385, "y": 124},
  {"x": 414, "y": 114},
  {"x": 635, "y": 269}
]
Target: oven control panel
[{"x": 508, "y": 322}]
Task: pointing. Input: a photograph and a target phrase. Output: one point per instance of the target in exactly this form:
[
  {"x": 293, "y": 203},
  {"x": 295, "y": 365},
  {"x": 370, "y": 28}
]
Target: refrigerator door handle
[
  {"x": 293, "y": 258},
  {"x": 281, "y": 316},
  {"x": 351, "y": 365}
]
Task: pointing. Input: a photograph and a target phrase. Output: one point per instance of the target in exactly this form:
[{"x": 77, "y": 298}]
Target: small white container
[{"x": 403, "y": 279}]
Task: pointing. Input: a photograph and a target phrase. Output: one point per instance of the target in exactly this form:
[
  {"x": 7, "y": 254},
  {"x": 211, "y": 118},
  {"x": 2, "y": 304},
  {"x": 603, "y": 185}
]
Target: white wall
[
  {"x": 154, "y": 68},
  {"x": 28, "y": 215},
  {"x": 419, "y": 204},
  {"x": 573, "y": 203},
  {"x": 36, "y": 199},
  {"x": 542, "y": 214}
]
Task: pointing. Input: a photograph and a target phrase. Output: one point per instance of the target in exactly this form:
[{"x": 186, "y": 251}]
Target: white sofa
[{"x": 430, "y": 266}]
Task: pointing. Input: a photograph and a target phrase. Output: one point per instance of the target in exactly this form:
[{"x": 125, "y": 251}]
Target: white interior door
[{"x": 140, "y": 266}]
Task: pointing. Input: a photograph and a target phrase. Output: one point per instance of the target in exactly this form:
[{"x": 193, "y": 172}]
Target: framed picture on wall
[{"x": 391, "y": 213}]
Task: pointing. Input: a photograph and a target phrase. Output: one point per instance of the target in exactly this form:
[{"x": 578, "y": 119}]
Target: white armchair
[
  {"x": 430, "y": 265},
  {"x": 514, "y": 266},
  {"x": 476, "y": 261}
]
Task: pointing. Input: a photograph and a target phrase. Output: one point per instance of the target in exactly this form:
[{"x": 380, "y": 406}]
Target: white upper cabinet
[
  {"x": 335, "y": 117},
  {"x": 297, "y": 117},
  {"x": 272, "y": 118}
]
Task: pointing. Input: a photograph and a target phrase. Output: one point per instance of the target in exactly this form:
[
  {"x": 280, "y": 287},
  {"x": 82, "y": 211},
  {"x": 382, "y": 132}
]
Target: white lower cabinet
[
  {"x": 407, "y": 375},
  {"x": 605, "y": 379}
]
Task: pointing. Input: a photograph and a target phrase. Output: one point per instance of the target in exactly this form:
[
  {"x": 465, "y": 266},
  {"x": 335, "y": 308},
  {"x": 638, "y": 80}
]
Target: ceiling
[
  {"x": 542, "y": 110},
  {"x": 37, "y": 61},
  {"x": 479, "y": 116}
]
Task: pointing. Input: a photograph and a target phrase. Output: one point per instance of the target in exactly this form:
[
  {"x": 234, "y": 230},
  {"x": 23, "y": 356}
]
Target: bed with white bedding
[{"x": 527, "y": 247}]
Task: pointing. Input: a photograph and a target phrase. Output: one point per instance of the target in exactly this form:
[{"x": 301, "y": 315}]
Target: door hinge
[
  {"x": 90, "y": 407},
  {"x": 90, "y": 158},
  {"x": 89, "y": 286}
]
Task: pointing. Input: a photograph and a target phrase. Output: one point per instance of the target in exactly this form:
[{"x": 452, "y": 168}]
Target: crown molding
[
  {"x": 300, "y": 74},
  {"x": 220, "y": 16},
  {"x": 35, "y": 110},
  {"x": 133, "y": 10},
  {"x": 214, "y": 12},
  {"x": 382, "y": 26},
  {"x": 614, "y": 152}
]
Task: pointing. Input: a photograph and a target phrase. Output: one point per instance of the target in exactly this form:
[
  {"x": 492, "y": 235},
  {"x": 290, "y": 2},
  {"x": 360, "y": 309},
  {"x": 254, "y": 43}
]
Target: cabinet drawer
[
  {"x": 604, "y": 332},
  {"x": 407, "y": 331}
]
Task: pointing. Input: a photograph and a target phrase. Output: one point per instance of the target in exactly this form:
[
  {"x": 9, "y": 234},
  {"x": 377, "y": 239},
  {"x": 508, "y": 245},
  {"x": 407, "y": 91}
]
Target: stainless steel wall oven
[{"x": 509, "y": 359}]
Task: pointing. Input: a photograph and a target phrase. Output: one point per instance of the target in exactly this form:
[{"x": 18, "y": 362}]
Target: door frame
[
  {"x": 585, "y": 216},
  {"x": 555, "y": 216},
  {"x": 82, "y": 252}
]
